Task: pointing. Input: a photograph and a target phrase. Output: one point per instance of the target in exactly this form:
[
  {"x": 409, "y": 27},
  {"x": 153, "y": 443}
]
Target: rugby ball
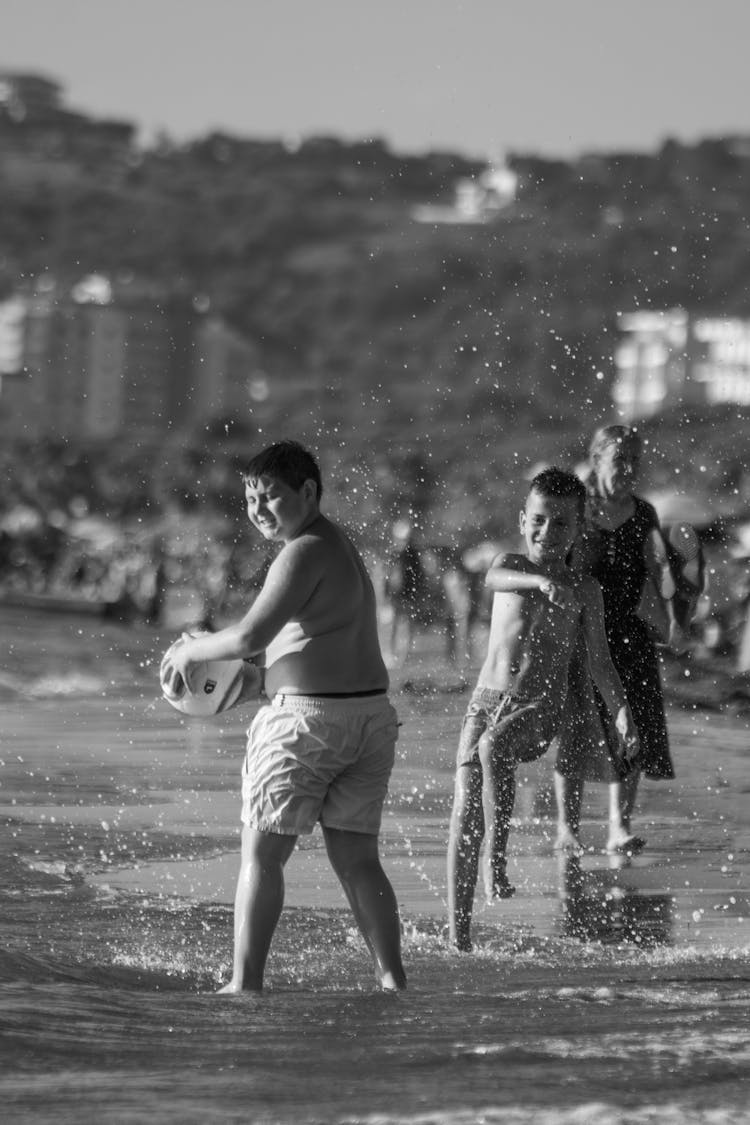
[{"x": 217, "y": 685}]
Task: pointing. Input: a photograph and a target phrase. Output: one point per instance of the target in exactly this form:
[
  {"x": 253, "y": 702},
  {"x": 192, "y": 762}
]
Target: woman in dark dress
[{"x": 621, "y": 546}]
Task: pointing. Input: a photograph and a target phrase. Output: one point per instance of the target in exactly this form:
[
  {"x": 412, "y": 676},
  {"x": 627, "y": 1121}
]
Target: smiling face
[
  {"x": 549, "y": 524},
  {"x": 277, "y": 510},
  {"x": 616, "y": 469}
]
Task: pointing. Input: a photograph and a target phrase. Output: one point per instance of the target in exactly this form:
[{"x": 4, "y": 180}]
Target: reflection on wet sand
[{"x": 602, "y": 906}]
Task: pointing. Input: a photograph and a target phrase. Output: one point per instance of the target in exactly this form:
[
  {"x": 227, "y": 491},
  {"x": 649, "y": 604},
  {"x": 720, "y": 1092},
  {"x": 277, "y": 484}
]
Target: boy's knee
[
  {"x": 266, "y": 849},
  {"x": 485, "y": 749},
  {"x": 356, "y": 870},
  {"x": 495, "y": 755}
]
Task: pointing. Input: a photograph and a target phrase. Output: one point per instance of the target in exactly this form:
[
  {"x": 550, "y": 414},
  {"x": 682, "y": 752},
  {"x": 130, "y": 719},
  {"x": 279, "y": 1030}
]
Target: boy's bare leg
[
  {"x": 498, "y": 798},
  {"x": 354, "y": 857},
  {"x": 569, "y": 795},
  {"x": 622, "y": 795},
  {"x": 464, "y": 843},
  {"x": 257, "y": 904}
]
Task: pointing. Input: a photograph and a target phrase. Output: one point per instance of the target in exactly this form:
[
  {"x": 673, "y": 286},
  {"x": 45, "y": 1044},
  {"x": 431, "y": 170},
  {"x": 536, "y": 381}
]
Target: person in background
[
  {"x": 405, "y": 590},
  {"x": 621, "y": 545}
]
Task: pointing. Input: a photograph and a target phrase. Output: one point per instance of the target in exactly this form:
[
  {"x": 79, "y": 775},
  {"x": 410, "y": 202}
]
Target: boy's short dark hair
[
  {"x": 287, "y": 461},
  {"x": 560, "y": 484}
]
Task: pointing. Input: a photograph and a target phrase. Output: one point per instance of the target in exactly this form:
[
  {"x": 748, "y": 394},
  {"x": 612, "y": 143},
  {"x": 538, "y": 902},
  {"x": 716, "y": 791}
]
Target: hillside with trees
[{"x": 426, "y": 358}]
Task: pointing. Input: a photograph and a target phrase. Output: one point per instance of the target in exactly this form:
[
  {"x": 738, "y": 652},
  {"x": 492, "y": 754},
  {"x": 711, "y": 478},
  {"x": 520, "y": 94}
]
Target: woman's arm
[
  {"x": 656, "y": 560},
  {"x": 602, "y": 670},
  {"x": 657, "y": 563}
]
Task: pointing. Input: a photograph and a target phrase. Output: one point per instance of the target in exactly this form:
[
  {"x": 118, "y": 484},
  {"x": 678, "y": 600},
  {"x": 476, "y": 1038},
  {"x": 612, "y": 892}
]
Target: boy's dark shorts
[{"x": 519, "y": 728}]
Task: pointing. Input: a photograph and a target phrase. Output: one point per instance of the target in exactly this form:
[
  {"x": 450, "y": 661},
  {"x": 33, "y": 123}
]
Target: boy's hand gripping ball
[{"x": 217, "y": 686}]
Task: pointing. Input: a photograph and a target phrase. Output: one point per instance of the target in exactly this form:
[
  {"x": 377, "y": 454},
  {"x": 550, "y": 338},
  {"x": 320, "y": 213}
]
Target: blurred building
[
  {"x": 670, "y": 359},
  {"x": 28, "y": 95},
  {"x": 74, "y": 368},
  {"x": 477, "y": 199},
  {"x": 43, "y": 141}
]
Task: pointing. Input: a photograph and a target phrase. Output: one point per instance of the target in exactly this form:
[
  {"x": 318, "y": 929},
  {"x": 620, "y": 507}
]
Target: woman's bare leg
[
  {"x": 568, "y": 795},
  {"x": 622, "y": 795}
]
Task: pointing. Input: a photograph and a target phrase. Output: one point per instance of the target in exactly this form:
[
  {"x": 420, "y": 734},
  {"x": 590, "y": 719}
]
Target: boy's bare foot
[
  {"x": 229, "y": 989},
  {"x": 393, "y": 982},
  {"x": 234, "y": 989},
  {"x": 568, "y": 842},
  {"x": 625, "y": 844}
]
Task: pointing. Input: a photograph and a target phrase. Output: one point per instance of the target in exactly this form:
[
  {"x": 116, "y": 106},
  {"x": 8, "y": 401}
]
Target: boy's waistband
[
  {"x": 330, "y": 704},
  {"x": 493, "y": 697}
]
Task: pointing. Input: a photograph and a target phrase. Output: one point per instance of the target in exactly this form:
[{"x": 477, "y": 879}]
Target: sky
[{"x": 479, "y": 77}]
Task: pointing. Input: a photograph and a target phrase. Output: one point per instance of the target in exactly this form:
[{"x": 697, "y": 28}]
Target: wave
[
  {"x": 19, "y": 970},
  {"x": 588, "y": 1113},
  {"x": 51, "y": 686}
]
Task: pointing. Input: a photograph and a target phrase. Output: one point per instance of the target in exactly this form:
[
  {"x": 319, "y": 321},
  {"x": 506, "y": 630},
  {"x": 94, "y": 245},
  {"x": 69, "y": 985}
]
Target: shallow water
[{"x": 597, "y": 994}]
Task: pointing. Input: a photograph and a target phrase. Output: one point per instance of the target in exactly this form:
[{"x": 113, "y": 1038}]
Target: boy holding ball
[{"x": 324, "y": 747}]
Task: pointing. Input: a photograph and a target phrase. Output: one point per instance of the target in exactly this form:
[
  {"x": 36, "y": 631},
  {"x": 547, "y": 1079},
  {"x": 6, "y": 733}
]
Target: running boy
[
  {"x": 323, "y": 749},
  {"x": 540, "y": 607}
]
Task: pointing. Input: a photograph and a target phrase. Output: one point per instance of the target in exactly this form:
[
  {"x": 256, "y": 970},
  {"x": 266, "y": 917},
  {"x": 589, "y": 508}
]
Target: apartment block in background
[
  {"x": 139, "y": 367},
  {"x": 670, "y": 359}
]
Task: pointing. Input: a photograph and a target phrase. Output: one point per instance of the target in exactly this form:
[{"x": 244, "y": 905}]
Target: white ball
[{"x": 217, "y": 685}]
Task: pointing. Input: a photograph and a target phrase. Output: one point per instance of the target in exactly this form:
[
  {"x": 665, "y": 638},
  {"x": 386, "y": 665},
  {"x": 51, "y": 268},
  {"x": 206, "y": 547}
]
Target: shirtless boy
[
  {"x": 539, "y": 608},
  {"x": 323, "y": 748}
]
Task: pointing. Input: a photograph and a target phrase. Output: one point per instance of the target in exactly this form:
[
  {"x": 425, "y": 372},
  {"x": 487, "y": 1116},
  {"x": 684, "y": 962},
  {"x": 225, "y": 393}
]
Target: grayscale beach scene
[{"x": 374, "y": 563}]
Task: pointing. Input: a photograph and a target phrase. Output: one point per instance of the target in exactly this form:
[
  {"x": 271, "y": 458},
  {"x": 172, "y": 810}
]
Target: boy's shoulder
[
  {"x": 311, "y": 544},
  {"x": 320, "y": 547}
]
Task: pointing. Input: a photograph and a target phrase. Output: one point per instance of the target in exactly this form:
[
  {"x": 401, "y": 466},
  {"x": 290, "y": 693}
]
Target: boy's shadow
[{"x": 599, "y": 907}]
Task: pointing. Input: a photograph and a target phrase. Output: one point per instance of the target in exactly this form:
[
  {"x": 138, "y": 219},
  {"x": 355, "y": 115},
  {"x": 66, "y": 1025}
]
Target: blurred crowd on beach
[
  {"x": 58, "y": 549},
  {"x": 98, "y": 538}
]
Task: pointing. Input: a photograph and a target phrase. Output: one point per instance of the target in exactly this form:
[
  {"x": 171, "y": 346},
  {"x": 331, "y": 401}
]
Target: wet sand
[
  {"x": 697, "y": 857},
  {"x": 184, "y": 798}
]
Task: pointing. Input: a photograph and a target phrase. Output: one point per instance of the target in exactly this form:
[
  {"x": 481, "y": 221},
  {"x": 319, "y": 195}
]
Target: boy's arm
[
  {"x": 602, "y": 670},
  {"x": 514, "y": 574},
  {"x": 289, "y": 585}
]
